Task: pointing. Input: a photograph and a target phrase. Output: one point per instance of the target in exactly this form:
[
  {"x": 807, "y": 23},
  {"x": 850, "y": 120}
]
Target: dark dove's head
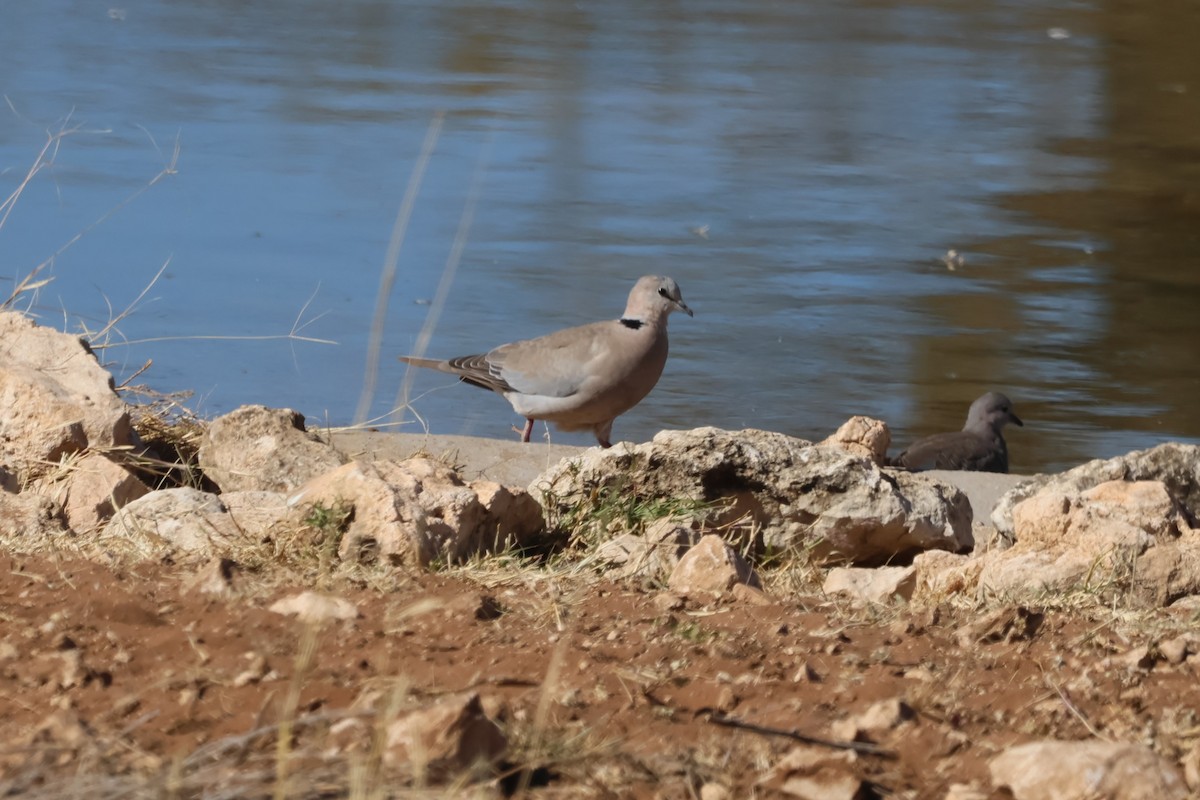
[{"x": 991, "y": 412}]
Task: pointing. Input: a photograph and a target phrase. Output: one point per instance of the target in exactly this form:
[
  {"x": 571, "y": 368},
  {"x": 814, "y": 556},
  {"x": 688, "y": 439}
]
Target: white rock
[
  {"x": 1087, "y": 770},
  {"x": 813, "y": 773},
  {"x": 55, "y": 399},
  {"x": 418, "y": 510},
  {"x": 180, "y": 523},
  {"x": 712, "y": 566},
  {"x": 257, "y": 512},
  {"x": 255, "y": 448},
  {"x": 784, "y": 492},
  {"x": 315, "y": 607},
  {"x": 878, "y": 585},
  {"x": 90, "y": 489},
  {"x": 863, "y": 437},
  {"x": 1117, "y": 522},
  {"x": 941, "y": 574},
  {"x": 825, "y": 784},
  {"x": 653, "y": 555},
  {"x": 446, "y": 739},
  {"x": 31, "y": 522},
  {"x": 1176, "y": 466},
  {"x": 714, "y": 791},
  {"x": 880, "y": 718},
  {"x": 1124, "y": 514}
]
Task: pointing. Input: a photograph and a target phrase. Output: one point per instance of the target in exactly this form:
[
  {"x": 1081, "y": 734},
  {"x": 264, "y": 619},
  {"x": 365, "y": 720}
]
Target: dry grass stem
[
  {"x": 31, "y": 283},
  {"x": 390, "y": 263},
  {"x": 449, "y": 271}
]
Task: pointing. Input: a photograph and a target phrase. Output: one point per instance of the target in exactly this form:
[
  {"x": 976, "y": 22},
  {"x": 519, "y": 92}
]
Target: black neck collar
[{"x": 632, "y": 324}]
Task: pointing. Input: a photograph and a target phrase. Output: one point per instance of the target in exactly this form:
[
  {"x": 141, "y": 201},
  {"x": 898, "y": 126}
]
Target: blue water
[{"x": 800, "y": 169}]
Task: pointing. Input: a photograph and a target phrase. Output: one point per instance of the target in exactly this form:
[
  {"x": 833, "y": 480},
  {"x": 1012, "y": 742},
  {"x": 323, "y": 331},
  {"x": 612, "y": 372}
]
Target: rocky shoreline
[{"x": 694, "y": 522}]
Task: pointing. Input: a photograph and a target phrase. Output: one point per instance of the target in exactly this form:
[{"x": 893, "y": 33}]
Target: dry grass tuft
[
  {"x": 609, "y": 511},
  {"x": 171, "y": 433},
  {"x": 792, "y": 574},
  {"x": 308, "y": 550}
]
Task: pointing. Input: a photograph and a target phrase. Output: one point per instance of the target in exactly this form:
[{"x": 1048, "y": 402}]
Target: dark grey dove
[
  {"x": 978, "y": 447},
  {"x": 579, "y": 378}
]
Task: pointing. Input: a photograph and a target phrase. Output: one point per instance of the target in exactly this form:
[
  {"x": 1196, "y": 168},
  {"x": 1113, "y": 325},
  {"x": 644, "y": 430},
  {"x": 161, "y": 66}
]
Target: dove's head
[
  {"x": 653, "y": 298},
  {"x": 992, "y": 412}
]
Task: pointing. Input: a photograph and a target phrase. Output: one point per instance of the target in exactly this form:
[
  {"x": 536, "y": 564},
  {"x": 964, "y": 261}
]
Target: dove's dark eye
[{"x": 663, "y": 292}]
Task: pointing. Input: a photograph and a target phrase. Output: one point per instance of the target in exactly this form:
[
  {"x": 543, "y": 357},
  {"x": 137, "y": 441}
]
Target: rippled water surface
[{"x": 802, "y": 169}]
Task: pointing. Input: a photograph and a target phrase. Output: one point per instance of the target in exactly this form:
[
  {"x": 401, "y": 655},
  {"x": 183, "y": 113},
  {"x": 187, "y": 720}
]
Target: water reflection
[{"x": 801, "y": 169}]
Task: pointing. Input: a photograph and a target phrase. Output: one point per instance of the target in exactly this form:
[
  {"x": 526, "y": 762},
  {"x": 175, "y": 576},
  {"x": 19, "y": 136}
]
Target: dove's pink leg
[
  {"x": 528, "y": 430},
  {"x": 603, "y": 431}
]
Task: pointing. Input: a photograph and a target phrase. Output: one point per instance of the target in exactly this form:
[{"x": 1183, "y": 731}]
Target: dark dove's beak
[
  {"x": 1014, "y": 419},
  {"x": 684, "y": 308}
]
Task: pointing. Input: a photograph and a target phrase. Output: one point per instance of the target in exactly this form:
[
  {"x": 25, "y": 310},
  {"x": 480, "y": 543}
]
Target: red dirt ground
[{"x": 125, "y": 682}]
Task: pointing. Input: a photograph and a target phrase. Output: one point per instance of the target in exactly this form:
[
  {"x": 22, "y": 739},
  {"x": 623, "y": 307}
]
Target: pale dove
[
  {"x": 580, "y": 378},
  {"x": 979, "y": 446}
]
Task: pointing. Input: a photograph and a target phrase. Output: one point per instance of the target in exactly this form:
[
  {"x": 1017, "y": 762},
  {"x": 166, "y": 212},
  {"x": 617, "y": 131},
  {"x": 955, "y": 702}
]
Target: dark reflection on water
[{"x": 800, "y": 168}]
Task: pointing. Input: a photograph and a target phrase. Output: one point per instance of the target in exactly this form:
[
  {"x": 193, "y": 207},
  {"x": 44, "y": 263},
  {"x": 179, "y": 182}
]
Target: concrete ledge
[{"x": 508, "y": 462}]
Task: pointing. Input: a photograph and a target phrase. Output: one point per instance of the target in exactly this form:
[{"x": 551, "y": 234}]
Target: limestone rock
[
  {"x": 880, "y": 718},
  {"x": 1089, "y": 770},
  {"x": 1063, "y": 539},
  {"x": 941, "y": 574},
  {"x": 828, "y": 783},
  {"x": 55, "y": 399},
  {"x": 173, "y": 523},
  {"x": 511, "y": 516},
  {"x": 651, "y": 555},
  {"x": 265, "y": 449},
  {"x": 813, "y": 773},
  {"x": 878, "y": 585},
  {"x": 257, "y": 513},
  {"x": 1086, "y": 529},
  {"x": 987, "y": 538},
  {"x": 1176, "y": 466},
  {"x": 418, "y": 510},
  {"x": 30, "y": 522},
  {"x": 862, "y": 436},
  {"x": 1130, "y": 514},
  {"x": 785, "y": 492},
  {"x": 711, "y": 566},
  {"x": 752, "y": 595},
  {"x": 446, "y": 739},
  {"x": 91, "y": 489},
  {"x": 627, "y": 552},
  {"x": 1175, "y": 649},
  {"x": 1167, "y": 573},
  {"x": 1112, "y": 530}
]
